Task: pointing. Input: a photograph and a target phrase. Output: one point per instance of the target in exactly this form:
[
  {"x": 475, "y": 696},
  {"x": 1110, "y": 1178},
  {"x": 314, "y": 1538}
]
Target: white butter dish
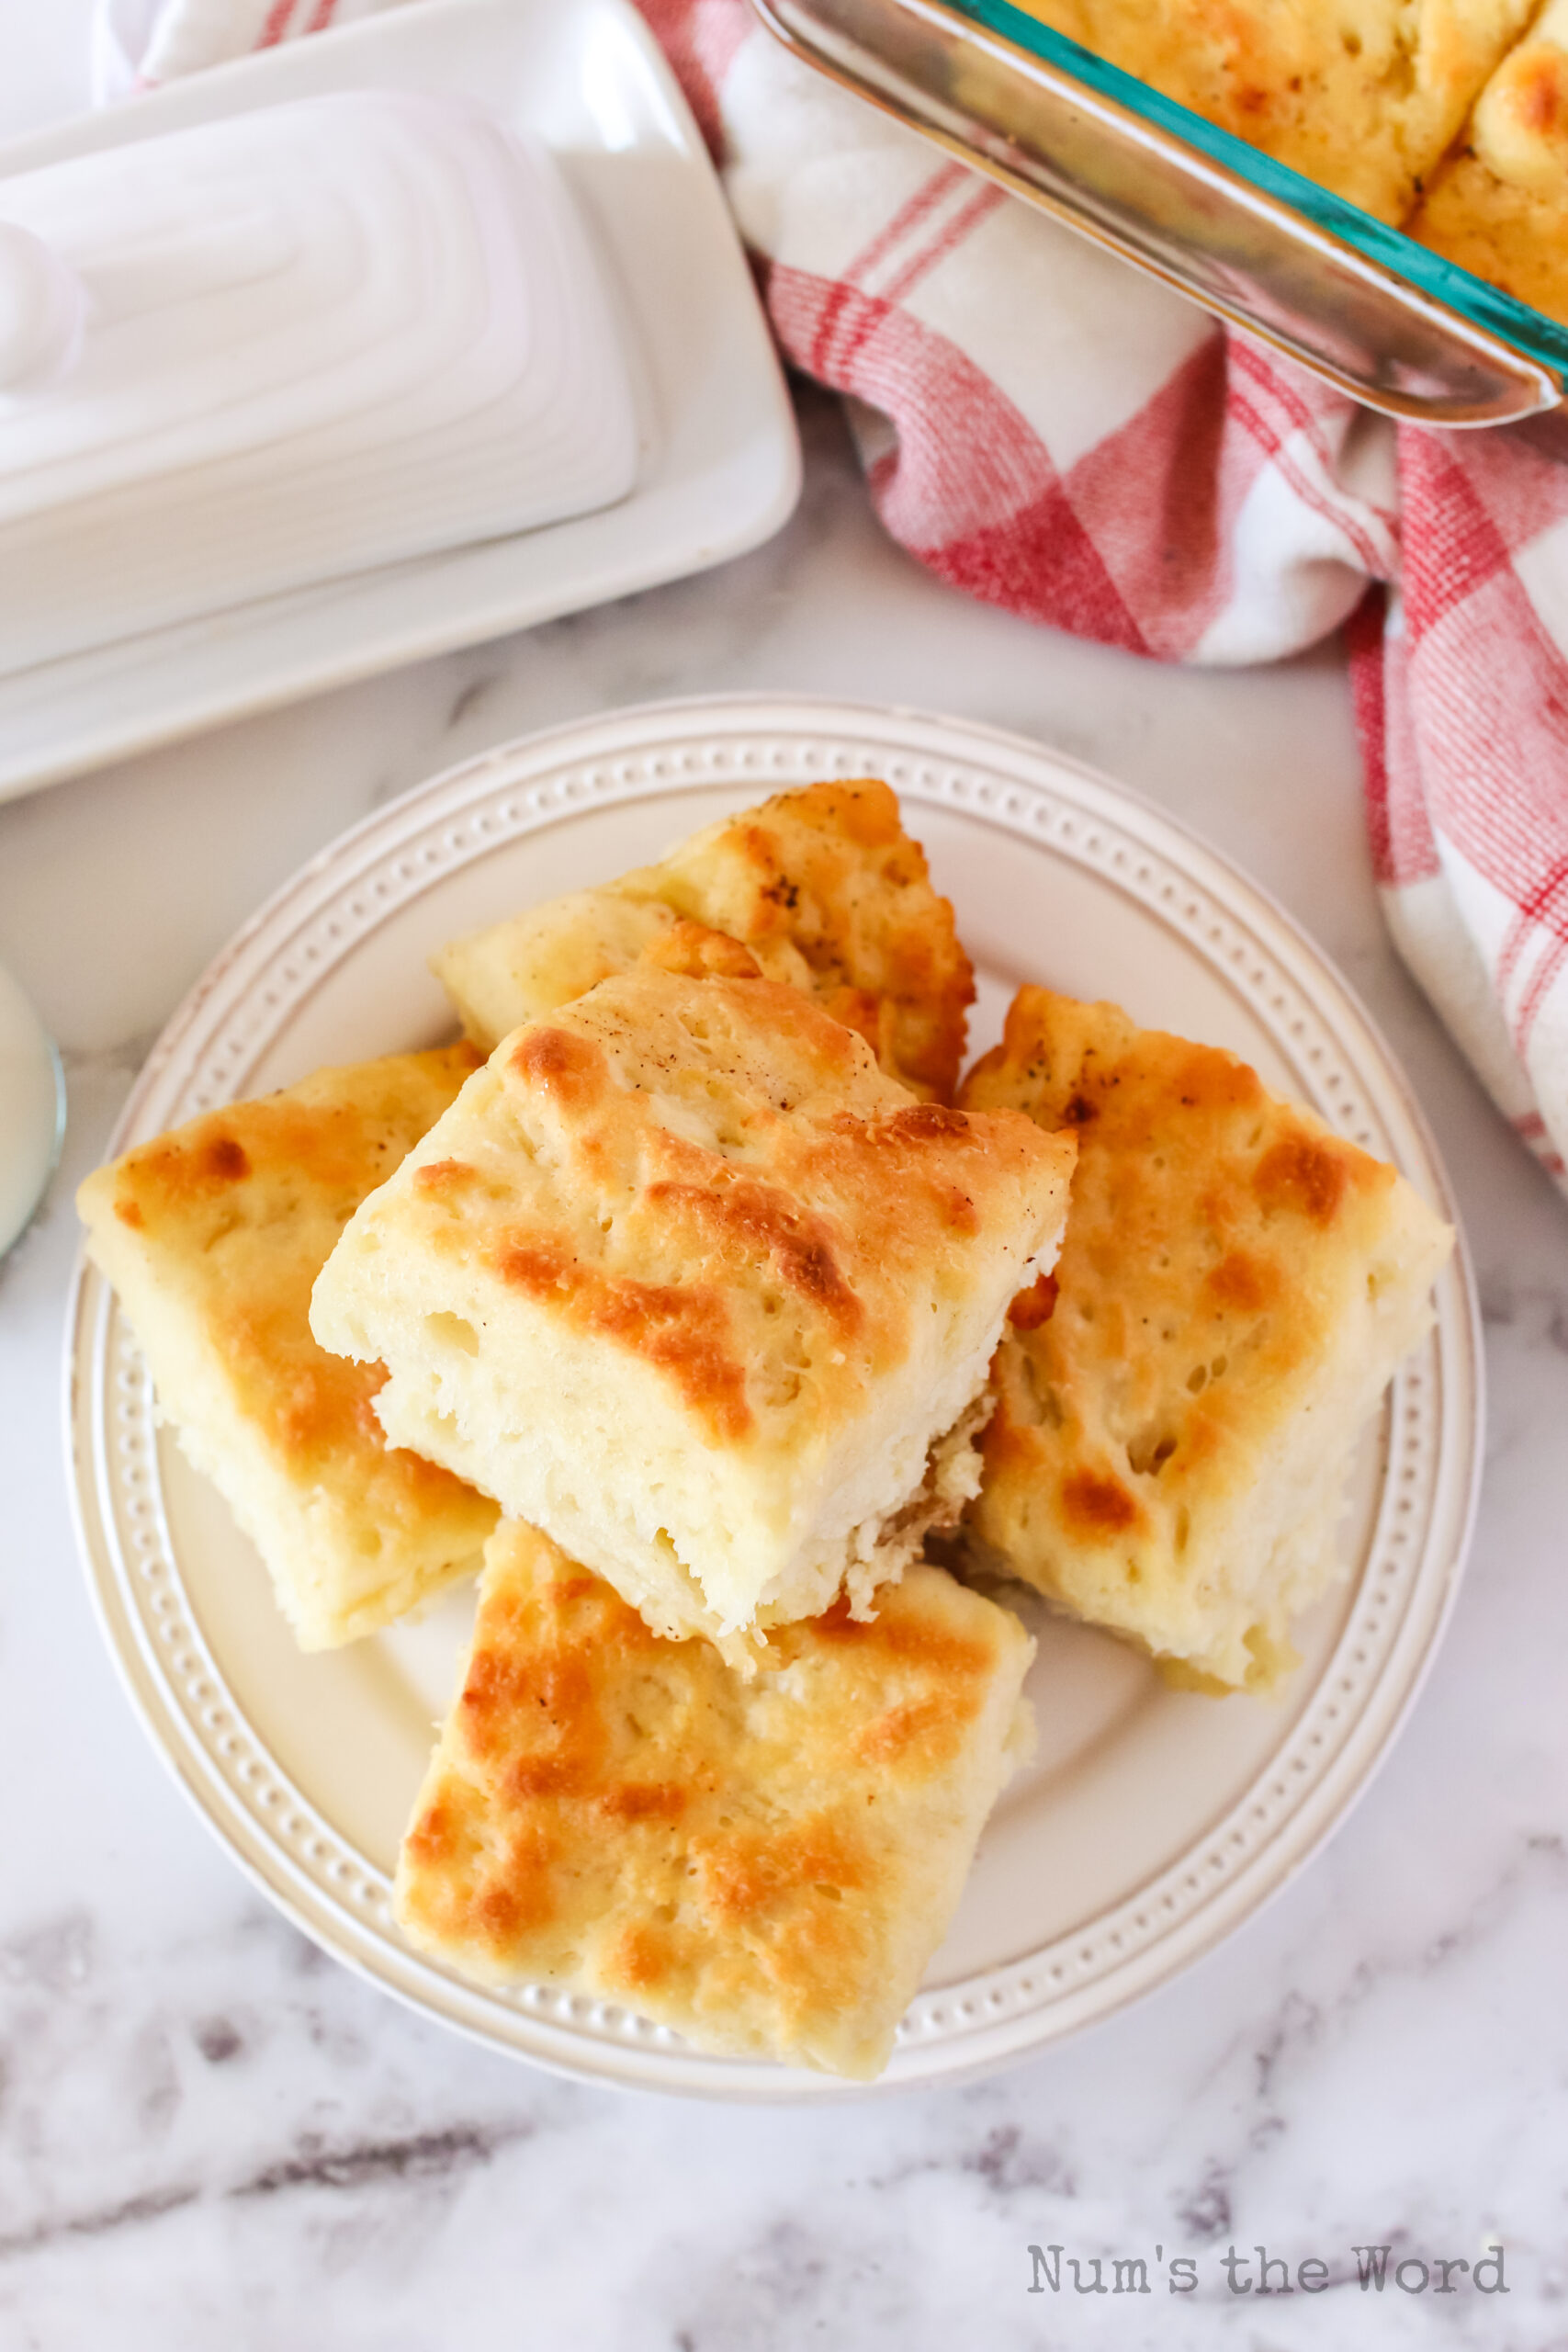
[
  {"x": 269, "y": 351},
  {"x": 718, "y": 460}
]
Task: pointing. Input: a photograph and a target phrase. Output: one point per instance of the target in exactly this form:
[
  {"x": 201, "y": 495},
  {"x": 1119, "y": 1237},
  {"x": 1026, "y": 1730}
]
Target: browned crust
[
  {"x": 683, "y": 1329},
  {"x": 622, "y": 1811},
  {"x": 1365, "y": 99},
  {"x": 794, "y": 1246},
  {"x": 1215, "y": 1236},
  {"x": 236, "y": 1212},
  {"x": 819, "y": 888},
  {"x": 831, "y": 870},
  {"x": 1499, "y": 206}
]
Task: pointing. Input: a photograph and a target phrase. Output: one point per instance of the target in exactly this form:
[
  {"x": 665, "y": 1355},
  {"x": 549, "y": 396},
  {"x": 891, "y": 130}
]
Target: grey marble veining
[{"x": 212, "y": 2136}]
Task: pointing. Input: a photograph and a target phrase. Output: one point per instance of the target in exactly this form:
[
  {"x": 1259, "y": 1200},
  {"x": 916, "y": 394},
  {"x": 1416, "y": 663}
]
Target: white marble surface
[{"x": 210, "y": 2136}]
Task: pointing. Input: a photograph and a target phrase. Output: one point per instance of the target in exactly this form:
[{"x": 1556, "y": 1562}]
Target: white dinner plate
[
  {"x": 1151, "y": 1822},
  {"x": 720, "y": 463}
]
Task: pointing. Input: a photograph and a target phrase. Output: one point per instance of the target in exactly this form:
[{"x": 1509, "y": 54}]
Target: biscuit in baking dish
[
  {"x": 1499, "y": 206},
  {"x": 822, "y": 886},
  {"x": 766, "y": 1865},
  {"x": 683, "y": 1279},
  {"x": 213, "y": 1235},
  {"x": 1177, "y": 1416},
  {"x": 1364, "y": 96}
]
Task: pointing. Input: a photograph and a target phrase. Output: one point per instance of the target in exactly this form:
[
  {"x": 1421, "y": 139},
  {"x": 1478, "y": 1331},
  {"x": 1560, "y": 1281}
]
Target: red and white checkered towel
[{"x": 1043, "y": 426}]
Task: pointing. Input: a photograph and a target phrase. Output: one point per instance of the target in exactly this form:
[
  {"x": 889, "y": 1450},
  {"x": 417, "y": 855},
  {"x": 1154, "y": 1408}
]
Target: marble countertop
[{"x": 211, "y": 2135}]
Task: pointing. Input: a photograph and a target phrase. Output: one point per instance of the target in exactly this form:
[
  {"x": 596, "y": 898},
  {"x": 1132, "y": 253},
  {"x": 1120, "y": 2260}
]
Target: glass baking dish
[{"x": 1369, "y": 309}]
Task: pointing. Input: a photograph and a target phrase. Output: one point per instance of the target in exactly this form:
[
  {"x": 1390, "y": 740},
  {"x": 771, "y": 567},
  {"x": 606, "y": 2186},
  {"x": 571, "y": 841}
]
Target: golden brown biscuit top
[
  {"x": 1211, "y": 1233},
  {"x": 238, "y": 1211},
  {"x": 820, "y": 888},
  {"x": 717, "y": 1841},
  {"x": 828, "y": 876},
  {"x": 714, "y": 1176},
  {"x": 1364, "y": 97},
  {"x": 1519, "y": 129}
]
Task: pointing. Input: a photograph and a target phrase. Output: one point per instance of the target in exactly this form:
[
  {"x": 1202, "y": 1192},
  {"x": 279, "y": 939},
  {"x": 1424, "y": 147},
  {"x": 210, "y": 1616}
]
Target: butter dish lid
[{"x": 287, "y": 346}]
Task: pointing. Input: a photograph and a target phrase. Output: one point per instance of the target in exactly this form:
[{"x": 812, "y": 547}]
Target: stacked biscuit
[
  {"x": 1445, "y": 118},
  {"x": 697, "y": 1307}
]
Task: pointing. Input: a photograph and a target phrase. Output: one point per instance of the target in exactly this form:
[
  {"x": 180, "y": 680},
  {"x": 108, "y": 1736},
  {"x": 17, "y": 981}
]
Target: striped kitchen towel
[
  {"x": 1047, "y": 429},
  {"x": 139, "y": 43}
]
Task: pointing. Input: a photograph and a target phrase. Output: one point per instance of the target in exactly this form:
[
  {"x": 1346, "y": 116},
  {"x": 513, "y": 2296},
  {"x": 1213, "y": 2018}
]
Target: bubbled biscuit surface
[
  {"x": 683, "y": 1277},
  {"x": 213, "y": 1235},
  {"x": 1364, "y": 96},
  {"x": 765, "y": 1865},
  {"x": 1176, "y": 1408},
  {"x": 822, "y": 887},
  {"x": 1499, "y": 207}
]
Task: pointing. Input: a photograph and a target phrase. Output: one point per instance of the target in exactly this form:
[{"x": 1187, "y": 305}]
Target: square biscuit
[
  {"x": 685, "y": 1280},
  {"x": 824, "y": 889},
  {"x": 1364, "y": 96},
  {"x": 1178, "y": 1411},
  {"x": 766, "y": 1865},
  {"x": 213, "y": 1237}
]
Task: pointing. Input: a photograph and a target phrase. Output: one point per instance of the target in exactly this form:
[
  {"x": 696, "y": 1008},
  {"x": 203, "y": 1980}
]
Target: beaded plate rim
[{"x": 1432, "y": 1421}]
